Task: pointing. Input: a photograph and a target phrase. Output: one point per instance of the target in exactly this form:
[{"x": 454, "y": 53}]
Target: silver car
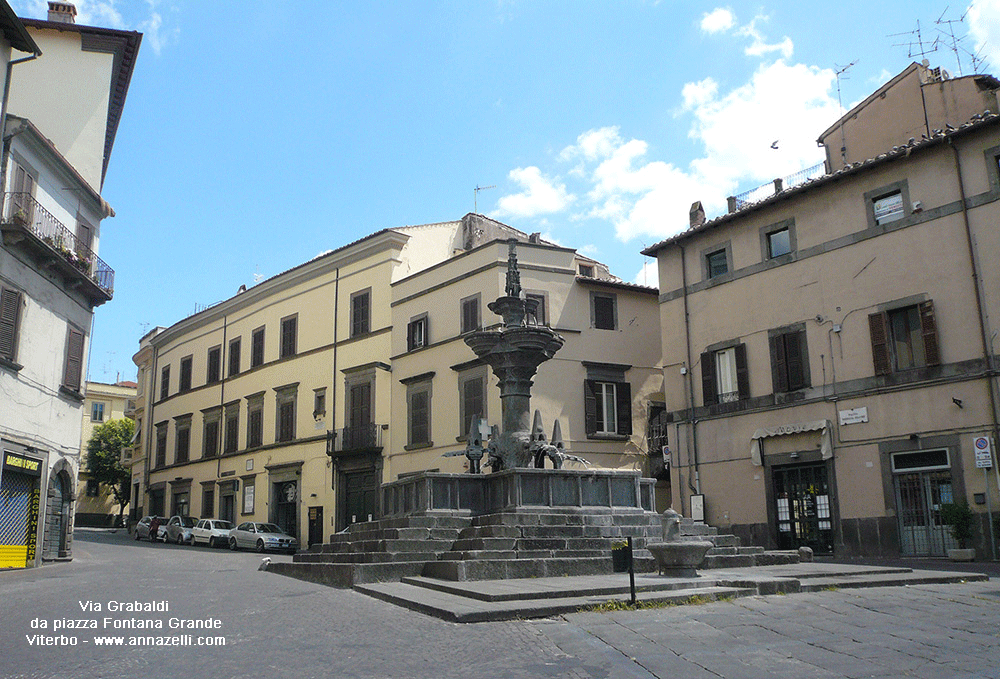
[
  {"x": 179, "y": 530},
  {"x": 262, "y": 537},
  {"x": 211, "y": 532}
]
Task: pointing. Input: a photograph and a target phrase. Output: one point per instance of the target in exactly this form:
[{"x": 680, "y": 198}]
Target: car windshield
[{"x": 268, "y": 528}]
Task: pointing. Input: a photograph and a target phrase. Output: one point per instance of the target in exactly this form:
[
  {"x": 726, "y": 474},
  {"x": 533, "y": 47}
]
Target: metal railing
[
  {"x": 364, "y": 437},
  {"x": 23, "y": 210},
  {"x": 742, "y": 200}
]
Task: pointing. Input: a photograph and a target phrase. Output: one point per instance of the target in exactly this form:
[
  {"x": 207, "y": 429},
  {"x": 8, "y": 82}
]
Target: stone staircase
[{"x": 503, "y": 546}]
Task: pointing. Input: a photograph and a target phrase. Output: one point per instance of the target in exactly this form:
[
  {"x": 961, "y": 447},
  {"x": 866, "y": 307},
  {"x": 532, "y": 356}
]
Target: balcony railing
[
  {"x": 367, "y": 437},
  {"x": 23, "y": 211},
  {"x": 760, "y": 193}
]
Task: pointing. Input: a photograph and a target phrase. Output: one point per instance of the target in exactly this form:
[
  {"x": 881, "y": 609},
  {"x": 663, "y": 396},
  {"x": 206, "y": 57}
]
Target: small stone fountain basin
[{"x": 679, "y": 558}]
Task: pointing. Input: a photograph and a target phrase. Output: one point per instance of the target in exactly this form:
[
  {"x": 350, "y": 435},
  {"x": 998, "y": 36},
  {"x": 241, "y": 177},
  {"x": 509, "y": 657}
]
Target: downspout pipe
[
  {"x": 696, "y": 486},
  {"x": 977, "y": 285}
]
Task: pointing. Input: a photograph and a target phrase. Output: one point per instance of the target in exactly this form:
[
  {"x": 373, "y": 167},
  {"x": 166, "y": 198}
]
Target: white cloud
[
  {"x": 719, "y": 20},
  {"x": 759, "y": 47},
  {"x": 539, "y": 195},
  {"x": 984, "y": 27}
]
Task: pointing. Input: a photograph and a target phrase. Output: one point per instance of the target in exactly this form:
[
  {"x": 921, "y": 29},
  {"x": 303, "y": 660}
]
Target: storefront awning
[{"x": 823, "y": 426}]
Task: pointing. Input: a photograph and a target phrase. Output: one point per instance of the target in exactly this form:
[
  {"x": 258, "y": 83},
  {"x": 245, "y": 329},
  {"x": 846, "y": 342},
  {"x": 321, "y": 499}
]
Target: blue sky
[{"x": 258, "y": 135}]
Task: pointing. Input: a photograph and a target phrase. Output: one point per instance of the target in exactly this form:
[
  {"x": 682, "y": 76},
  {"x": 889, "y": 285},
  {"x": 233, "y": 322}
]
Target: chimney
[
  {"x": 697, "y": 214},
  {"x": 62, "y": 12}
]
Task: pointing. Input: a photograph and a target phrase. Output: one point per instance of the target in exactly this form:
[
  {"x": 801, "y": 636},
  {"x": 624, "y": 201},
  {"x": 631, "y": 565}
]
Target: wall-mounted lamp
[{"x": 957, "y": 401}]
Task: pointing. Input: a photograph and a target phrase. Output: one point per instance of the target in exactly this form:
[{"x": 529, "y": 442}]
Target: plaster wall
[{"x": 65, "y": 92}]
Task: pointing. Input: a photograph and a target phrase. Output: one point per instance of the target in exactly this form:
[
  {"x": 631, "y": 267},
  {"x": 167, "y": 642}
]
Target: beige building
[
  {"x": 96, "y": 505},
  {"x": 829, "y": 356},
  {"x": 293, "y": 400}
]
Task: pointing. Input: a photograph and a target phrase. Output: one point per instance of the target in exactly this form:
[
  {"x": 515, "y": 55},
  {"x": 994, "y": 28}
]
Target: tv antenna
[
  {"x": 475, "y": 199},
  {"x": 257, "y": 276},
  {"x": 841, "y": 75},
  {"x": 915, "y": 45},
  {"x": 954, "y": 42}
]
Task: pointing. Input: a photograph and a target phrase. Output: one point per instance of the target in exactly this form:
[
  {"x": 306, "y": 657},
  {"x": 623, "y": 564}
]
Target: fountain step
[
  {"x": 504, "y": 569},
  {"x": 387, "y": 546},
  {"x": 364, "y": 557},
  {"x": 763, "y": 558},
  {"x": 415, "y": 533},
  {"x": 737, "y": 551}
]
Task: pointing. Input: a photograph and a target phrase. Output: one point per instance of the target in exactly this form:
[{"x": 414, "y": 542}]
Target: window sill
[
  {"x": 9, "y": 364},
  {"x": 598, "y": 436},
  {"x": 419, "y": 446},
  {"x": 71, "y": 393}
]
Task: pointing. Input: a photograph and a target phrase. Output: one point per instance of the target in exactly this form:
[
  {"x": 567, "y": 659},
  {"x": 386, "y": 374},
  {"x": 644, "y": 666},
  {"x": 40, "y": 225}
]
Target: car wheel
[
  {"x": 180, "y": 538},
  {"x": 232, "y": 544},
  {"x": 136, "y": 536},
  {"x": 260, "y": 546},
  {"x": 211, "y": 542}
]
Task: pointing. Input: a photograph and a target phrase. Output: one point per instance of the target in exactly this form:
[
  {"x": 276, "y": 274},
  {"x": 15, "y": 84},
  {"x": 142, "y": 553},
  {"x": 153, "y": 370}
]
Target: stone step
[
  {"x": 364, "y": 557},
  {"x": 504, "y": 569},
  {"x": 490, "y": 532},
  {"x": 735, "y": 551},
  {"x": 501, "y": 544},
  {"x": 751, "y": 559}
]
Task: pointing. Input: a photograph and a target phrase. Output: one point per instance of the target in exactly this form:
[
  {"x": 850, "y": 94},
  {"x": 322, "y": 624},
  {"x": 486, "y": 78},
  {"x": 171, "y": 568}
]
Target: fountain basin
[{"x": 679, "y": 559}]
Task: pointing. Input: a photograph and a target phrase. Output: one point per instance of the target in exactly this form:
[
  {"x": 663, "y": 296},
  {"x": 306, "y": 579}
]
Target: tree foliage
[{"x": 104, "y": 458}]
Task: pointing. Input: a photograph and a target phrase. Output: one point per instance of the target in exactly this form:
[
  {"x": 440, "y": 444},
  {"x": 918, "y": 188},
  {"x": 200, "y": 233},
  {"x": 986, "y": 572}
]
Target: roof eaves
[{"x": 977, "y": 122}]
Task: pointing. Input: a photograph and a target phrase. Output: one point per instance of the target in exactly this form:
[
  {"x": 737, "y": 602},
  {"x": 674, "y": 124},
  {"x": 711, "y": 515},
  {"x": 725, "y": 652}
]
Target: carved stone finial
[{"x": 513, "y": 275}]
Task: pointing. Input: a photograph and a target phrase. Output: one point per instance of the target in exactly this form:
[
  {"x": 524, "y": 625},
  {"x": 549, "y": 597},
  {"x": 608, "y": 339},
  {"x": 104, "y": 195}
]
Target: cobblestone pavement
[{"x": 275, "y": 626}]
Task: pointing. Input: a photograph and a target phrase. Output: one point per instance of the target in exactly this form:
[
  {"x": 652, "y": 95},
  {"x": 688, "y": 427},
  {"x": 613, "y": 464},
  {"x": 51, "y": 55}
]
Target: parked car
[
  {"x": 211, "y": 532},
  {"x": 179, "y": 530},
  {"x": 262, "y": 537},
  {"x": 142, "y": 529}
]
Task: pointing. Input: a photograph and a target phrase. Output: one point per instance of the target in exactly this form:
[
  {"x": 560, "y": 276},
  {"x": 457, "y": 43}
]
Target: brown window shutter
[
  {"x": 10, "y": 305},
  {"x": 590, "y": 406},
  {"x": 742, "y": 373},
  {"x": 880, "y": 343},
  {"x": 74, "y": 359},
  {"x": 710, "y": 394},
  {"x": 623, "y": 392},
  {"x": 929, "y": 328},
  {"x": 779, "y": 364},
  {"x": 793, "y": 356}
]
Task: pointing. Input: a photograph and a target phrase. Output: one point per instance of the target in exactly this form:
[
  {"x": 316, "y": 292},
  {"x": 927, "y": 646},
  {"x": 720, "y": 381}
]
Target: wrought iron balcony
[
  {"x": 25, "y": 220},
  {"x": 365, "y": 438}
]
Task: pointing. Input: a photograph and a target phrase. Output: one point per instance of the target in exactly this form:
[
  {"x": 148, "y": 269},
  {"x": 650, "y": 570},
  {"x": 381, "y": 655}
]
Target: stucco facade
[
  {"x": 51, "y": 280},
  {"x": 829, "y": 355},
  {"x": 317, "y": 411},
  {"x": 96, "y": 505}
]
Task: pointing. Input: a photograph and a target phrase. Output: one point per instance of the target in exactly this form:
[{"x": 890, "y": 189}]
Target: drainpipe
[
  {"x": 222, "y": 400},
  {"x": 983, "y": 319},
  {"x": 693, "y": 433},
  {"x": 3, "y": 124},
  {"x": 333, "y": 398}
]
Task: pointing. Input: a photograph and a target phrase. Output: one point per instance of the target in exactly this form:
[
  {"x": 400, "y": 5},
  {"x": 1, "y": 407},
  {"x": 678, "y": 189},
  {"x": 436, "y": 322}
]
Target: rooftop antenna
[
  {"x": 475, "y": 199},
  {"x": 915, "y": 45},
  {"x": 840, "y": 73},
  {"x": 257, "y": 276},
  {"x": 954, "y": 42}
]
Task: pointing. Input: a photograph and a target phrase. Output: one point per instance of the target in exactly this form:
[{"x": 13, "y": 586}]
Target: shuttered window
[
  {"x": 257, "y": 347},
  {"x": 164, "y": 382},
  {"x": 724, "y": 375},
  {"x": 789, "y": 371},
  {"x": 74, "y": 359},
  {"x": 10, "y": 312},
  {"x": 289, "y": 336},
  {"x": 234, "y": 357},
  {"x": 607, "y": 407},
  {"x": 470, "y": 314},
  {"x": 360, "y": 313},
  {"x": 904, "y": 338},
  {"x": 416, "y": 333},
  {"x": 186, "y": 364},
  {"x": 214, "y": 365}
]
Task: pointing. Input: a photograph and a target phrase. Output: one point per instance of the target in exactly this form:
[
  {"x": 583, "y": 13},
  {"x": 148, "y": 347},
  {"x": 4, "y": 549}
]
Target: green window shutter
[{"x": 878, "y": 325}]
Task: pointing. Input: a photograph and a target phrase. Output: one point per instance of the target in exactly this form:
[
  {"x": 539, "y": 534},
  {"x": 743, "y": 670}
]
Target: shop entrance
[
  {"x": 802, "y": 497},
  {"x": 922, "y": 483}
]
